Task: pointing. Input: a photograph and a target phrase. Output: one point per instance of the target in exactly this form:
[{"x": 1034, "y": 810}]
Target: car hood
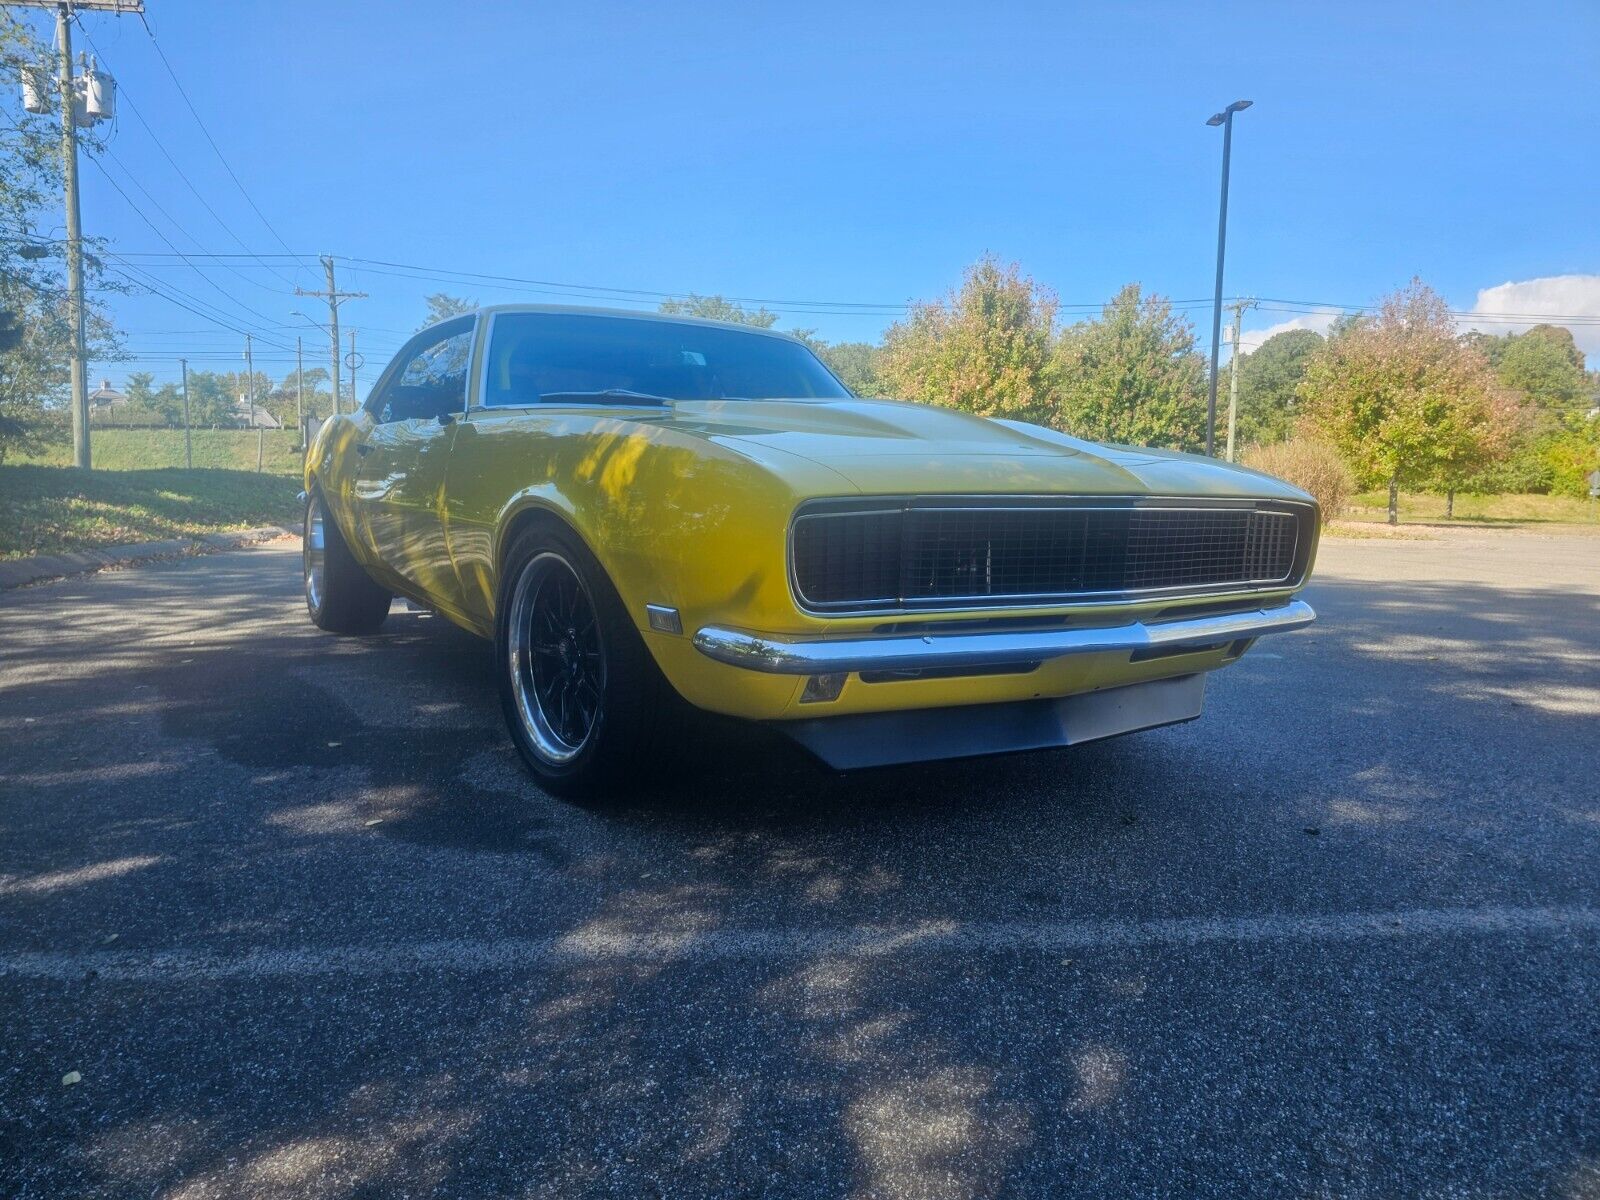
[{"x": 890, "y": 447}]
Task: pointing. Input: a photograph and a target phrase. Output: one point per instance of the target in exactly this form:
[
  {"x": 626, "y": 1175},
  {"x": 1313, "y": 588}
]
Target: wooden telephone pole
[
  {"x": 1239, "y": 307},
  {"x": 80, "y": 105},
  {"x": 334, "y": 297}
]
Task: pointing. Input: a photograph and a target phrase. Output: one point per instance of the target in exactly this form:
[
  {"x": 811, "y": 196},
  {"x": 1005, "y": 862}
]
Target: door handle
[{"x": 363, "y": 448}]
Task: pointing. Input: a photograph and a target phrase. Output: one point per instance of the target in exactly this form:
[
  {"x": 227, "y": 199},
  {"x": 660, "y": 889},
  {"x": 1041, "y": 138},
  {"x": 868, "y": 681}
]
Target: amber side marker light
[
  {"x": 821, "y": 688},
  {"x": 663, "y": 619}
]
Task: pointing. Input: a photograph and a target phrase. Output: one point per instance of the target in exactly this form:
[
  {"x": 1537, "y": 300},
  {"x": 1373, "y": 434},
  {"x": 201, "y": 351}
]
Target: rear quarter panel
[{"x": 330, "y": 467}]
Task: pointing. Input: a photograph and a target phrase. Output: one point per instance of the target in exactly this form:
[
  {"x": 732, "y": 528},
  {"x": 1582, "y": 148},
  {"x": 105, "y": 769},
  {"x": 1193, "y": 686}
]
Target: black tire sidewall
[
  {"x": 615, "y": 744},
  {"x": 315, "y": 609},
  {"x": 351, "y": 601}
]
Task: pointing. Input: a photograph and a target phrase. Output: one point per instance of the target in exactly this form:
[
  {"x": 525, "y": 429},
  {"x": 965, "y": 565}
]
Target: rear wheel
[
  {"x": 340, "y": 596},
  {"x": 586, "y": 705}
]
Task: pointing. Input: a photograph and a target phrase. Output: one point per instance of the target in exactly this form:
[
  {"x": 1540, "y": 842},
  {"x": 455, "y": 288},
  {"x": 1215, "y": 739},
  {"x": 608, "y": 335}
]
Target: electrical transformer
[
  {"x": 100, "y": 93},
  {"x": 38, "y": 88}
]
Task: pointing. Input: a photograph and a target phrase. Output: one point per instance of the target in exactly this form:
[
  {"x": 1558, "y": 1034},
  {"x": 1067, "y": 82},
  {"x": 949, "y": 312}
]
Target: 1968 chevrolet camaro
[{"x": 644, "y": 511}]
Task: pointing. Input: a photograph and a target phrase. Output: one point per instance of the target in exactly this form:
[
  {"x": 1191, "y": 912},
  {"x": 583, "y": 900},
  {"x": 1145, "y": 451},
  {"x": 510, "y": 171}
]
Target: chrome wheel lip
[
  {"x": 542, "y": 728},
  {"x": 315, "y": 554}
]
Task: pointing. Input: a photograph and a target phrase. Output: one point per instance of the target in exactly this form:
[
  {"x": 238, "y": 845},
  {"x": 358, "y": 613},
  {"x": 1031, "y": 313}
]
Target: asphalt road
[{"x": 289, "y": 907}]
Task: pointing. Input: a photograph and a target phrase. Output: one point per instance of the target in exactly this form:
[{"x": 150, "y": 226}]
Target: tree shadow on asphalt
[
  {"x": 403, "y": 730},
  {"x": 825, "y": 1074}
]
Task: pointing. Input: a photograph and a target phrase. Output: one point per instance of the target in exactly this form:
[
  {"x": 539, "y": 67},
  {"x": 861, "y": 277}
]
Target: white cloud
[
  {"x": 1317, "y": 321},
  {"x": 1511, "y": 307},
  {"x": 1522, "y": 305}
]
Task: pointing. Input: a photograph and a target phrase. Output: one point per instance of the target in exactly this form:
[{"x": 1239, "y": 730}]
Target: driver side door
[{"x": 402, "y": 463}]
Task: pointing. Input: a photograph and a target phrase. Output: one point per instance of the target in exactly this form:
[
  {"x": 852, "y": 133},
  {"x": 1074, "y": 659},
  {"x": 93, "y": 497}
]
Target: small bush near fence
[{"x": 1310, "y": 465}]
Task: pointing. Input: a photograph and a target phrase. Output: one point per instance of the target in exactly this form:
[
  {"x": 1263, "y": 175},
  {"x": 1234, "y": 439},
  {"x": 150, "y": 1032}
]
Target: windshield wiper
[{"x": 625, "y": 395}]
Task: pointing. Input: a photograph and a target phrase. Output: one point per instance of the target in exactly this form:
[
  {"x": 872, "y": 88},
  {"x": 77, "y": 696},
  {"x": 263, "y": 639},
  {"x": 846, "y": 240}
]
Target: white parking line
[{"x": 599, "y": 944}]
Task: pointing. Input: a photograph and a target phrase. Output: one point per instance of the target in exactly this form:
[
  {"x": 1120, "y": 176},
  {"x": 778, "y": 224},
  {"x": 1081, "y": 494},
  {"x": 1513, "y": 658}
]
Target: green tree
[
  {"x": 1133, "y": 375},
  {"x": 167, "y": 404},
  {"x": 985, "y": 348},
  {"x": 211, "y": 399},
  {"x": 1404, "y": 400},
  {"x": 856, "y": 365},
  {"x": 10, "y": 331},
  {"x": 1545, "y": 367},
  {"x": 1268, "y": 377},
  {"x": 715, "y": 308},
  {"x": 141, "y": 409},
  {"x": 140, "y": 387},
  {"x": 442, "y": 306},
  {"x": 34, "y": 372},
  {"x": 281, "y": 400}
]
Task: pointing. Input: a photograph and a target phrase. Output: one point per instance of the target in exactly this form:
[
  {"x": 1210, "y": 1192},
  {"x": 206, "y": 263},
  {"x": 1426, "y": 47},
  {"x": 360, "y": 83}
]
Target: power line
[
  {"x": 184, "y": 300},
  {"x": 643, "y": 293},
  {"x": 176, "y": 82},
  {"x": 178, "y": 225},
  {"x": 832, "y": 307},
  {"x": 200, "y": 274},
  {"x": 154, "y": 288},
  {"x": 1320, "y": 307},
  {"x": 123, "y": 95}
]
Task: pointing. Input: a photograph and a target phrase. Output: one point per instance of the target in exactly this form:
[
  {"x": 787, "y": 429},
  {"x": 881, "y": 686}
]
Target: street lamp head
[
  {"x": 1214, "y": 119},
  {"x": 1240, "y": 105}
]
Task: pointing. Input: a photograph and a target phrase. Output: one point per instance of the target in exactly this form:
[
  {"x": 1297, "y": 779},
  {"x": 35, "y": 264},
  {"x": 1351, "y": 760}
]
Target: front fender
[{"x": 675, "y": 519}]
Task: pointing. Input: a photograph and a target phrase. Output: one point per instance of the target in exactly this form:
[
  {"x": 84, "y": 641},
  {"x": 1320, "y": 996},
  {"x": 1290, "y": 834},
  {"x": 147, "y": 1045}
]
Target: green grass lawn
[
  {"x": 51, "y": 510},
  {"x": 1481, "y": 511},
  {"x": 148, "y": 449}
]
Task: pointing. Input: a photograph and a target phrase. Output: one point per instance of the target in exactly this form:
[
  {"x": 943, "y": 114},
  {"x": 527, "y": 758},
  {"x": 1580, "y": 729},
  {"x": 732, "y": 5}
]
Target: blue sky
[{"x": 847, "y": 152}]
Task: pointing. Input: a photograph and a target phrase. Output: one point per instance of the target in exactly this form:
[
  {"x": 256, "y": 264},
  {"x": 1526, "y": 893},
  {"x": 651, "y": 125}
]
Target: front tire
[
  {"x": 586, "y": 705},
  {"x": 340, "y": 595}
]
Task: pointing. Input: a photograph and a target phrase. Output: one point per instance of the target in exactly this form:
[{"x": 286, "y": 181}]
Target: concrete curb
[{"x": 19, "y": 572}]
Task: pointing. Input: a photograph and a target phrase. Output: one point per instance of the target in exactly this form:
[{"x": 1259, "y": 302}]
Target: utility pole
[
  {"x": 188, "y": 448},
  {"x": 97, "y": 104},
  {"x": 299, "y": 388},
  {"x": 250, "y": 377},
  {"x": 333, "y": 296},
  {"x": 69, "y": 170},
  {"x": 353, "y": 361},
  {"x": 1225, "y": 119},
  {"x": 1238, "y": 307}
]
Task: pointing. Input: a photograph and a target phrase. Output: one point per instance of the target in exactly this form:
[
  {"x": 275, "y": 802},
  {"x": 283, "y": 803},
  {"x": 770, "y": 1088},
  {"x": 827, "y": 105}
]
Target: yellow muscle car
[{"x": 643, "y": 510}]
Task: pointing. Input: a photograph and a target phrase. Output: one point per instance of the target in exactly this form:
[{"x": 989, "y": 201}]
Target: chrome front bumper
[{"x": 989, "y": 649}]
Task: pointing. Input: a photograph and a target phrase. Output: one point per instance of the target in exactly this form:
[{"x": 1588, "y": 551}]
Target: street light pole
[{"x": 1225, "y": 119}]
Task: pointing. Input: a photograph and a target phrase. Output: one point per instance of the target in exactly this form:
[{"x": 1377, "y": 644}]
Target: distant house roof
[
  {"x": 106, "y": 395},
  {"x": 260, "y": 418}
]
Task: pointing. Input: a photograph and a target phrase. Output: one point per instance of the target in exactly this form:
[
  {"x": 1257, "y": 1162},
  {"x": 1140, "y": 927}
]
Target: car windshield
[{"x": 575, "y": 358}]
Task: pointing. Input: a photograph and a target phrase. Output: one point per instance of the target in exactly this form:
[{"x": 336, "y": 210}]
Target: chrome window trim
[
  {"x": 423, "y": 337},
  {"x": 483, "y": 367},
  {"x": 844, "y": 506}
]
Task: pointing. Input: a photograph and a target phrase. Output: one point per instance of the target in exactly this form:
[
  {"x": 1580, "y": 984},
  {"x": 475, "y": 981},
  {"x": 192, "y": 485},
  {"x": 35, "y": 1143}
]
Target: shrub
[{"x": 1314, "y": 466}]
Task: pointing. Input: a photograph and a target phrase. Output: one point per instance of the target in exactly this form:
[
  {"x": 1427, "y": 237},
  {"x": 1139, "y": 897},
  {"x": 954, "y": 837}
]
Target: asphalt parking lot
[{"x": 289, "y": 907}]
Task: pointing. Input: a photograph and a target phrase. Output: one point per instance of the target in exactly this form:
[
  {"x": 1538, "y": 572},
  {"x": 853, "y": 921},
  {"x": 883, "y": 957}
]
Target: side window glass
[{"x": 432, "y": 384}]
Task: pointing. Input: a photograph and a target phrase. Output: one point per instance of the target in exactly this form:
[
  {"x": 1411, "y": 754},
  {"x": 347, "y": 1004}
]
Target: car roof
[{"x": 580, "y": 310}]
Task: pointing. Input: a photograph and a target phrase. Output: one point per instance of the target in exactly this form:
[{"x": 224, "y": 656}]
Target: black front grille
[{"x": 918, "y": 552}]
